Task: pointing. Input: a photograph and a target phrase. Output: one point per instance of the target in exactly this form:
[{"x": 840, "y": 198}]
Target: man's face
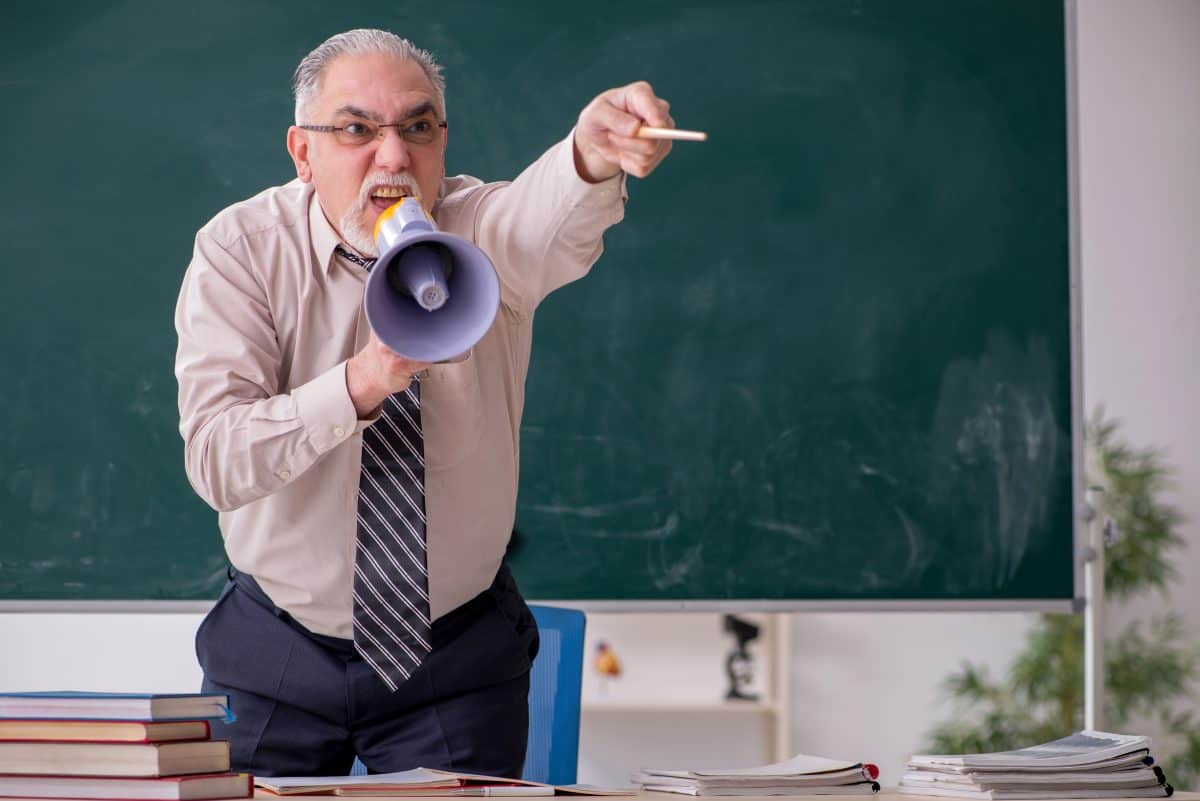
[{"x": 355, "y": 182}]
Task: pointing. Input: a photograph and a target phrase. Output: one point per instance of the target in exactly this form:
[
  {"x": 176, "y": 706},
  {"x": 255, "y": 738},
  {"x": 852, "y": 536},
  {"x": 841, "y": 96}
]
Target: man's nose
[{"x": 392, "y": 151}]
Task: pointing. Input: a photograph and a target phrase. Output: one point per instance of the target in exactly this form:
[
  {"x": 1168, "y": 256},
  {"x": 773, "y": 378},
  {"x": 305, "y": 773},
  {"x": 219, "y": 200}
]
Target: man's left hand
[{"x": 605, "y": 143}]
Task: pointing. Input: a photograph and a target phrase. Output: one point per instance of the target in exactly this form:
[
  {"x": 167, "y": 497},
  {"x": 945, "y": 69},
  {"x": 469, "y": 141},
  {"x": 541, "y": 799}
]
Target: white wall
[
  {"x": 1140, "y": 152},
  {"x": 113, "y": 652},
  {"x": 860, "y": 689},
  {"x": 869, "y": 686}
]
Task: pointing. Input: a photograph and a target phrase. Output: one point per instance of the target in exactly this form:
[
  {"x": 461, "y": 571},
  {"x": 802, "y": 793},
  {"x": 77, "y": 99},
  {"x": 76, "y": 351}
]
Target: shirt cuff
[
  {"x": 326, "y": 410},
  {"x": 580, "y": 193}
]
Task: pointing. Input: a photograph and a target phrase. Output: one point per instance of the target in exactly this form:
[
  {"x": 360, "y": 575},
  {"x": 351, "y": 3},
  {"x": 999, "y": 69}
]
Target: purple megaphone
[{"x": 431, "y": 295}]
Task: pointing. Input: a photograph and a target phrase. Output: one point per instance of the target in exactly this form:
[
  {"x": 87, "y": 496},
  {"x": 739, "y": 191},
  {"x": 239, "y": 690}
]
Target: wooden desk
[{"x": 887, "y": 794}]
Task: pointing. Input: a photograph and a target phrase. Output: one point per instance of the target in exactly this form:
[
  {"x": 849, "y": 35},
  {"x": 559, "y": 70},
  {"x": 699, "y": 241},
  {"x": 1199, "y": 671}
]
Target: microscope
[{"x": 739, "y": 665}]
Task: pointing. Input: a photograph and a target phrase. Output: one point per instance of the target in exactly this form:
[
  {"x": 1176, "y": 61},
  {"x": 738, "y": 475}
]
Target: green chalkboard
[{"x": 826, "y": 356}]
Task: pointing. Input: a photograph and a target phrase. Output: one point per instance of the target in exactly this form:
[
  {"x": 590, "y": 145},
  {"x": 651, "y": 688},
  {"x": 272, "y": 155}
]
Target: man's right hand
[{"x": 376, "y": 372}]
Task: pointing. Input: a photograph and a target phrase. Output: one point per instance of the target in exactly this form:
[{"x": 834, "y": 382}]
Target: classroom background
[{"x": 867, "y": 686}]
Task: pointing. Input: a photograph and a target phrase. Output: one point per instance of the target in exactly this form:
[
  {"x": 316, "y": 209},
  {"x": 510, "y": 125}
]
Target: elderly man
[{"x": 365, "y": 499}]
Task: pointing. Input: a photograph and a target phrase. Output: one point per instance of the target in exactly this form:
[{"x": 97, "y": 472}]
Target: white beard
[{"x": 354, "y": 231}]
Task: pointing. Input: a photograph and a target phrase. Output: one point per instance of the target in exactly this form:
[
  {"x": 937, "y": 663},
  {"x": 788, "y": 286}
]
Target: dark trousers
[{"x": 306, "y": 704}]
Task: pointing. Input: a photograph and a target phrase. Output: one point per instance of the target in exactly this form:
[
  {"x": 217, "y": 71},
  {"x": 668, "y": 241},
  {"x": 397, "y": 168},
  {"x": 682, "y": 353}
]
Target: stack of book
[
  {"x": 115, "y": 746},
  {"x": 1087, "y": 764},
  {"x": 800, "y": 775}
]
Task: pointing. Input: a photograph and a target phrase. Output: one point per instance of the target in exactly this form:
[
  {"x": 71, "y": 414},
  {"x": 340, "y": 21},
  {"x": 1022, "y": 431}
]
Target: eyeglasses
[{"x": 420, "y": 131}]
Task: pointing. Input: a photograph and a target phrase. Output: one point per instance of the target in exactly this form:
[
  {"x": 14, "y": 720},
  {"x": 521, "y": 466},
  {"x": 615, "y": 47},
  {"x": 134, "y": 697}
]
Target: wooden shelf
[
  {"x": 600, "y": 707},
  {"x": 689, "y": 657}
]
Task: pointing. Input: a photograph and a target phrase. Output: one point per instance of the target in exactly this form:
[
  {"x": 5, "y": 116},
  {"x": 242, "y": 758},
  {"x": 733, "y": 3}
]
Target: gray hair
[{"x": 306, "y": 82}]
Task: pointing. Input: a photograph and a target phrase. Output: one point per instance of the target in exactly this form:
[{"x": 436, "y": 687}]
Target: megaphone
[{"x": 431, "y": 295}]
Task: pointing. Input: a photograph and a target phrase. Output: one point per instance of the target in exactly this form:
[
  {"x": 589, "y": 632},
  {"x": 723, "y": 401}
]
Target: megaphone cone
[{"x": 431, "y": 295}]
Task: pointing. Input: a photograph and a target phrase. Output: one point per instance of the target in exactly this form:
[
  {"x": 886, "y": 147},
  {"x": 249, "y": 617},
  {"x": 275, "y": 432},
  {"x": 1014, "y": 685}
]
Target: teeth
[{"x": 391, "y": 191}]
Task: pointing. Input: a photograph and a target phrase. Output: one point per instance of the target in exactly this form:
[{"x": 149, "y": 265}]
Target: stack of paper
[
  {"x": 1087, "y": 764},
  {"x": 421, "y": 782},
  {"x": 800, "y": 775}
]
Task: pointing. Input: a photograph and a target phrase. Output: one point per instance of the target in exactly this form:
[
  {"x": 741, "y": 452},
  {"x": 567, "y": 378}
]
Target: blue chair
[{"x": 555, "y": 685}]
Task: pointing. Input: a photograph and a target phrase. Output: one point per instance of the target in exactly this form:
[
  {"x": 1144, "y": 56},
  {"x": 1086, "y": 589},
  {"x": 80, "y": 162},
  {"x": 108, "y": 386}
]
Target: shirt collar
[{"x": 324, "y": 238}]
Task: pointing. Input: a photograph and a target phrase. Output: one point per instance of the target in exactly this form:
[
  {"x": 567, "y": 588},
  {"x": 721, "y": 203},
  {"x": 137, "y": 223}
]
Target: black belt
[{"x": 445, "y": 628}]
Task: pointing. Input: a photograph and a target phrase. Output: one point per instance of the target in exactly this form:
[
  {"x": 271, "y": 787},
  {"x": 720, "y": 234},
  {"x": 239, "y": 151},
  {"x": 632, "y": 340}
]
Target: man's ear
[
  {"x": 442, "y": 179},
  {"x": 297, "y": 145}
]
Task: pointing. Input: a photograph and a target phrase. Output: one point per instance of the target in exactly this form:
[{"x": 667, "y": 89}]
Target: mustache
[{"x": 391, "y": 180}]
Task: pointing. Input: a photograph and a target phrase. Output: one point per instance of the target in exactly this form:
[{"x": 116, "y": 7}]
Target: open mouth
[{"x": 384, "y": 197}]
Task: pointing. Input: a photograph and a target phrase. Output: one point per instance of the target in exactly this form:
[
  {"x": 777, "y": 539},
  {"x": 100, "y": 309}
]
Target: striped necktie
[{"x": 391, "y": 582}]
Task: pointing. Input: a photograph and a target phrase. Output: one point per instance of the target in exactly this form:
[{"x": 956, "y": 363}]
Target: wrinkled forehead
[
  {"x": 378, "y": 86},
  {"x": 422, "y": 108}
]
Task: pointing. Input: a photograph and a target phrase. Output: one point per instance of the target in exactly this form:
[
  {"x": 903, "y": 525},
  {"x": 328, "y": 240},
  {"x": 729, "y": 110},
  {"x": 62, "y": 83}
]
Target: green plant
[{"x": 1150, "y": 669}]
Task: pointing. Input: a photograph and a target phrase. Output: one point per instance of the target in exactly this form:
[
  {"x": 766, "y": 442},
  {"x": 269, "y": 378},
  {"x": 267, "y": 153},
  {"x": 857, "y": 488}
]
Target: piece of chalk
[{"x": 650, "y": 132}]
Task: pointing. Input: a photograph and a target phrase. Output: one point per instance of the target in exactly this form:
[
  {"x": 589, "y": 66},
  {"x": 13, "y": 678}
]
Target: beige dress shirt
[{"x": 268, "y": 316}]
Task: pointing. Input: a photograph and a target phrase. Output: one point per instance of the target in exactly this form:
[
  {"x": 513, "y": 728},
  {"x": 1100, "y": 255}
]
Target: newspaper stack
[
  {"x": 800, "y": 775},
  {"x": 1087, "y": 764}
]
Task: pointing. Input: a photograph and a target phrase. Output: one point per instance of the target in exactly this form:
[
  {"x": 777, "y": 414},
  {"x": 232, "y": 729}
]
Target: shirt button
[
  {"x": 284, "y": 474},
  {"x": 338, "y": 431}
]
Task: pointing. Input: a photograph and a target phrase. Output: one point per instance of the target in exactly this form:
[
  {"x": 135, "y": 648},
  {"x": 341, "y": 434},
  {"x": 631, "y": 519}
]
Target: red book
[{"x": 174, "y": 788}]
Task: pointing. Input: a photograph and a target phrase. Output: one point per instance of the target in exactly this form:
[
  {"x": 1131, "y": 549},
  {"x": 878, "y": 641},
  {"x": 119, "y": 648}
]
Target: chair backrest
[{"x": 555, "y": 685}]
